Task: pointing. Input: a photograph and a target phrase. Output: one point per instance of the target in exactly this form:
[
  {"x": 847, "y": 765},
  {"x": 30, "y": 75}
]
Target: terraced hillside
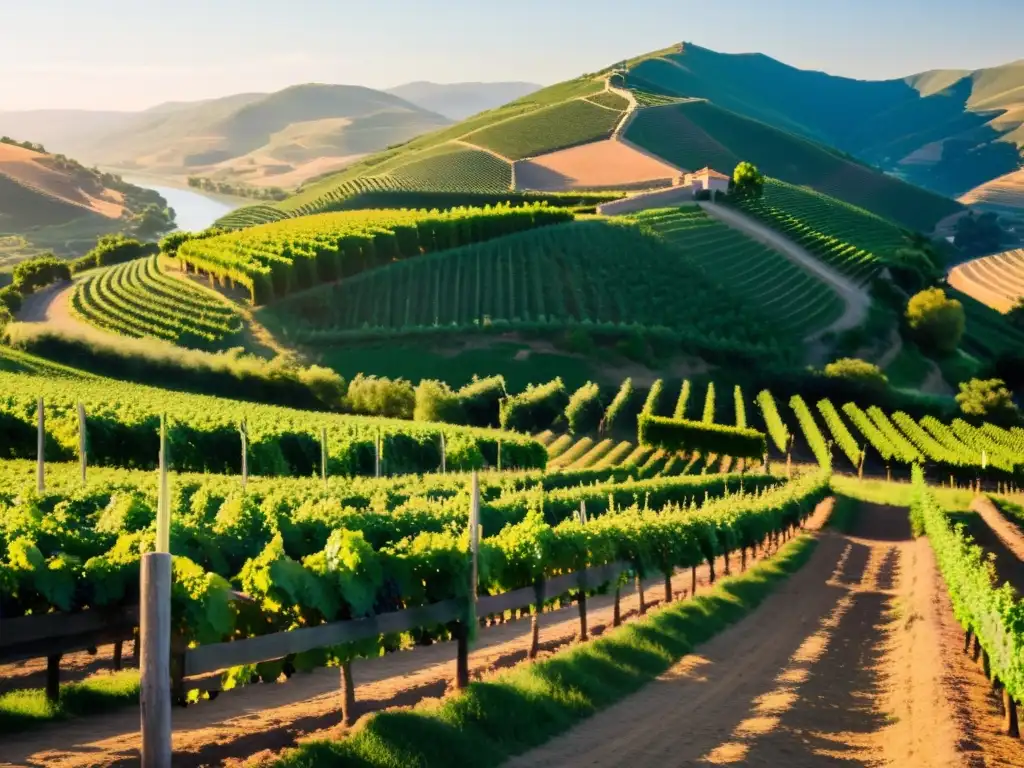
[
  {"x": 139, "y": 299},
  {"x": 603, "y": 274},
  {"x": 695, "y": 133},
  {"x": 996, "y": 280},
  {"x": 796, "y": 303},
  {"x": 1005, "y": 193}
]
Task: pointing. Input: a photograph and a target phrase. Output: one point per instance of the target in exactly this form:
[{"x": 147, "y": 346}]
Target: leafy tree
[
  {"x": 858, "y": 371},
  {"x": 747, "y": 182},
  {"x": 989, "y": 399},
  {"x": 39, "y": 271},
  {"x": 936, "y": 321},
  {"x": 978, "y": 234}
]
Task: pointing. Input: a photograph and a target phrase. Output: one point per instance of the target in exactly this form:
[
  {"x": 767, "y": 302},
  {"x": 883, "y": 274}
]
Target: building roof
[{"x": 710, "y": 173}]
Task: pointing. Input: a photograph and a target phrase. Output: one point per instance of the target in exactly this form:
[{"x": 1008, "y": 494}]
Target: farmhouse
[{"x": 706, "y": 179}]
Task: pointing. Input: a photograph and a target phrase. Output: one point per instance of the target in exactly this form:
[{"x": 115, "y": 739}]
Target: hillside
[
  {"x": 668, "y": 119},
  {"x": 276, "y": 139},
  {"x": 457, "y": 101},
  {"x": 1003, "y": 195},
  {"x": 947, "y": 130},
  {"x": 50, "y": 201}
]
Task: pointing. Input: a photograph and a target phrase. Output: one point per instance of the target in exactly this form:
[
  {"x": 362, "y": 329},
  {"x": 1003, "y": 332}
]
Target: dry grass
[{"x": 26, "y": 167}]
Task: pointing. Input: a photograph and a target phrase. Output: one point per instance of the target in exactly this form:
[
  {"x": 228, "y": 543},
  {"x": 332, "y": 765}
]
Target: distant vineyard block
[{"x": 683, "y": 434}]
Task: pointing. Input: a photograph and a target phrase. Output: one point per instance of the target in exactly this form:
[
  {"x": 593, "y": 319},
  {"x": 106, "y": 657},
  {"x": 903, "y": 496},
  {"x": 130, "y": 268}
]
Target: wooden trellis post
[
  {"x": 40, "y": 447},
  {"x": 163, "y": 507},
  {"x": 467, "y": 630},
  {"x": 83, "y": 445}
]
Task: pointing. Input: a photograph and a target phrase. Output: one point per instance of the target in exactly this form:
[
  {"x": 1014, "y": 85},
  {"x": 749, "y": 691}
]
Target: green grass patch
[
  {"x": 99, "y": 693},
  {"x": 897, "y": 494},
  {"x": 909, "y": 369},
  {"x": 522, "y": 708}
]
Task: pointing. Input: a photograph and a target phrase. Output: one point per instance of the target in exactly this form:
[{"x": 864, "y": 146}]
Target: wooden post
[
  {"x": 118, "y": 651},
  {"x": 155, "y": 668},
  {"x": 40, "y": 447},
  {"x": 975, "y": 649},
  {"x": 376, "y": 456},
  {"x": 323, "y": 455},
  {"x": 668, "y": 586},
  {"x": 499, "y": 455},
  {"x": 583, "y": 614},
  {"x": 468, "y": 625},
  {"x": 243, "y": 430},
  {"x": 163, "y": 506},
  {"x": 82, "y": 444},
  {"x": 348, "y": 694},
  {"x": 1010, "y": 726},
  {"x": 640, "y": 592},
  {"x": 743, "y": 558},
  {"x": 967, "y": 639},
  {"x": 726, "y": 570},
  {"x": 462, "y": 658},
  {"x": 693, "y": 580},
  {"x": 535, "y": 620},
  {"x": 53, "y": 678},
  {"x": 616, "y": 611}
]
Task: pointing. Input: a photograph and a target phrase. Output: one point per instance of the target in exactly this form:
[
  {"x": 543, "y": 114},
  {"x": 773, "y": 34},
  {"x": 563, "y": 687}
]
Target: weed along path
[{"x": 846, "y": 664}]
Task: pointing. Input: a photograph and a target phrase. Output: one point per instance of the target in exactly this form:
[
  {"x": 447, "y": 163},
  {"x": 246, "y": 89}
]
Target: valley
[{"x": 665, "y": 414}]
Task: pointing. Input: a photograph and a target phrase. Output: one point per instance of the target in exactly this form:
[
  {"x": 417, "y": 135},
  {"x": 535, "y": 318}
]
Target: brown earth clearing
[
  {"x": 607, "y": 164},
  {"x": 29, "y": 169}
]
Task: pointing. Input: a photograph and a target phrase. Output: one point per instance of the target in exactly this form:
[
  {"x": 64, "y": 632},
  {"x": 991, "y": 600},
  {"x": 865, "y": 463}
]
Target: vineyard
[
  {"x": 696, "y": 133},
  {"x": 206, "y": 433},
  {"x": 584, "y": 272},
  {"x": 547, "y": 130},
  {"x": 796, "y": 303},
  {"x": 139, "y": 299},
  {"x": 455, "y": 169},
  {"x": 996, "y": 280},
  {"x": 273, "y": 260}
]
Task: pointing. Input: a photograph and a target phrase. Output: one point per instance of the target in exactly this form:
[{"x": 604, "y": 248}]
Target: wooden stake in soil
[
  {"x": 348, "y": 694},
  {"x": 40, "y": 447},
  {"x": 668, "y": 587},
  {"x": 154, "y": 665},
  {"x": 535, "y": 621},
  {"x": 118, "y": 651},
  {"x": 693, "y": 580},
  {"x": 163, "y": 506},
  {"x": 616, "y": 611},
  {"x": 1010, "y": 725},
  {"x": 640, "y": 592},
  {"x": 53, "y": 678},
  {"x": 82, "y": 446}
]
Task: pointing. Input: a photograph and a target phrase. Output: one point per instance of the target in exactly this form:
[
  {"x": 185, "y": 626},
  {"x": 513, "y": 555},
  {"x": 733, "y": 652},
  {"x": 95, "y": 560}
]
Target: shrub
[
  {"x": 380, "y": 396},
  {"x": 536, "y": 408},
  {"x": 5, "y": 318},
  {"x": 619, "y": 408},
  {"x": 988, "y": 399},
  {"x": 857, "y": 371},
  {"x": 685, "y": 435},
  {"x": 39, "y": 271},
  {"x": 435, "y": 401},
  {"x": 481, "y": 401},
  {"x": 11, "y": 298},
  {"x": 747, "y": 182},
  {"x": 113, "y": 249},
  {"x": 936, "y": 321},
  {"x": 653, "y": 398},
  {"x": 708, "y": 417},
  {"x": 583, "y": 413}
]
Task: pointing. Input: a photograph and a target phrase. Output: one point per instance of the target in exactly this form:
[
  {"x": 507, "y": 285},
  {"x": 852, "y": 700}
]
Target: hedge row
[{"x": 685, "y": 435}]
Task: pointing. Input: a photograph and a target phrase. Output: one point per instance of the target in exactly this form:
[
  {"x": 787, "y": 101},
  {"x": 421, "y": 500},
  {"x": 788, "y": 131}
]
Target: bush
[
  {"x": 684, "y": 435},
  {"x": 989, "y": 399},
  {"x": 619, "y": 409},
  {"x": 146, "y": 361},
  {"x": 5, "y": 319},
  {"x": 380, "y": 396},
  {"x": 481, "y": 401},
  {"x": 39, "y": 271},
  {"x": 113, "y": 249},
  {"x": 861, "y": 372},
  {"x": 11, "y": 298},
  {"x": 435, "y": 401},
  {"x": 536, "y": 408},
  {"x": 936, "y": 321},
  {"x": 583, "y": 413}
]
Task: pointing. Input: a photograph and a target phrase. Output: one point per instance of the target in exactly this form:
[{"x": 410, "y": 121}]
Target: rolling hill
[
  {"x": 276, "y": 139},
  {"x": 52, "y": 202},
  {"x": 457, "y": 101},
  {"x": 948, "y": 130}
]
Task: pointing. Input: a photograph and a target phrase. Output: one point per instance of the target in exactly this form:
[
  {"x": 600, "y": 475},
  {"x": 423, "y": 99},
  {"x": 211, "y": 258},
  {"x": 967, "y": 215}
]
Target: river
[{"x": 193, "y": 210}]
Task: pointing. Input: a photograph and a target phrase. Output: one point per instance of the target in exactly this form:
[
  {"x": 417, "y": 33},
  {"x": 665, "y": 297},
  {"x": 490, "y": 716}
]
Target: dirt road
[{"x": 848, "y": 664}]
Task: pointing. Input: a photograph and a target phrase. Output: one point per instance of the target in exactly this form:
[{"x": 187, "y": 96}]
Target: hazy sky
[{"x": 130, "y": 54}]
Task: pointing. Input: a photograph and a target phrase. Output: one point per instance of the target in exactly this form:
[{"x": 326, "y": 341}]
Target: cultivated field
[
  {"x": 606, "y": 164},
  {"x": 996, "y": 280},
  {"x": 1004, "y": 192}
]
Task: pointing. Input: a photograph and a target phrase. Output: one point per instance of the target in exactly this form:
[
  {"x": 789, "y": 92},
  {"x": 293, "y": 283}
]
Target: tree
[
  {"x": 747, "y": 182},
  {"x": 988, "y": 399},
  {"x": 852, "y": 369},
  {"x": 978, "y": 234},
  {"x": 936, "y": 321}
]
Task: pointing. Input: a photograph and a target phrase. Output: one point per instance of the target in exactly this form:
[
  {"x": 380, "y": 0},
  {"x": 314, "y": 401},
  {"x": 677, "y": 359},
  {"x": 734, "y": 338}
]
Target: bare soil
[
  {"x": 607, "y": 164},
  {"x": 854, "y": 661},
  {"x": 30, "y": 169}
]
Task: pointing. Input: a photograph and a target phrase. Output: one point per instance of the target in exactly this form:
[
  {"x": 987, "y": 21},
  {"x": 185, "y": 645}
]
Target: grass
[
  {"x": 100, "y": 693},
  {"x": 909, "y": 369},
  {"x": 522, "y": 708}
]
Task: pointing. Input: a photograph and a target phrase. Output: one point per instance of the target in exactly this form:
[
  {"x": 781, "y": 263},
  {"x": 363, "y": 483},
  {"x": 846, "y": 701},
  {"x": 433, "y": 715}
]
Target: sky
[{"x": 132, "y": 54}]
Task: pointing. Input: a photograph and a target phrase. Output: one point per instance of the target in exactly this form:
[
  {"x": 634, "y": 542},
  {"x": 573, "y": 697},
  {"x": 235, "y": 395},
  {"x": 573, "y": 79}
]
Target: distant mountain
[
  {"x": 458, "y": 101},
  {"x": 947, "y": 130},
  {"x": 277, "y": 139}
]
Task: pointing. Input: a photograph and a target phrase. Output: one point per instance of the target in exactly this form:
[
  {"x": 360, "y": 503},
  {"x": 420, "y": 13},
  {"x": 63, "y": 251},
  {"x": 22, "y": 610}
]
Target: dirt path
[
  {"x": 842, "y": 666},
  {"x": 271, "y": 717},
  {"x": 52, "y": 306},
  {"x": 856, "y": 298}
]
